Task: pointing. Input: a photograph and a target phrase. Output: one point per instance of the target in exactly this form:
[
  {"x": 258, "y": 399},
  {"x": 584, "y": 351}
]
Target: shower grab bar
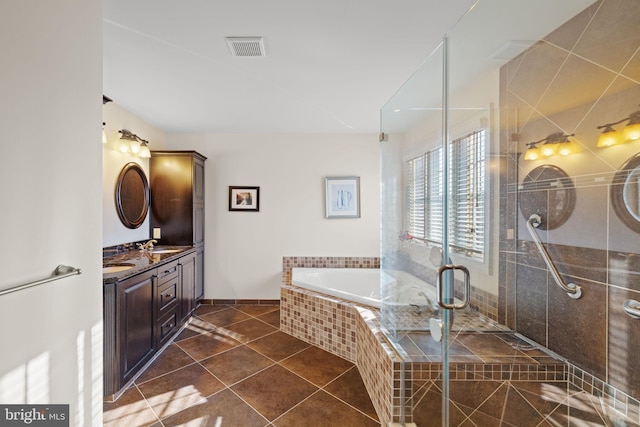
[
  {"x": 573, "y": 290},
  {"x": 60, "y": 272},
  {"x": 632, "y": 308}
]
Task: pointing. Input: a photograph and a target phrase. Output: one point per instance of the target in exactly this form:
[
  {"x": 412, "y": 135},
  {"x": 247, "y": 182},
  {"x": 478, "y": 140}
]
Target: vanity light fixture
[
  {"x": 631, "y": 132},
  {"x": 533, "y": 152},
  {"x": 132, "y": 143},
  {"x": 556, "y": 143}
]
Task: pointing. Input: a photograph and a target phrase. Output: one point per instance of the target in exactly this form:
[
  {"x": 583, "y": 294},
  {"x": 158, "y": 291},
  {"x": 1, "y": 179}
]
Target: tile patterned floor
[{"x": 233, "y": 367}]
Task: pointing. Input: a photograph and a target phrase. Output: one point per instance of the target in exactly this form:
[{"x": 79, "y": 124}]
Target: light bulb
[
  {"x": 608, "y": 137},
  {"x": 549, "y": 149},
  {"x": 532, "y": 153},
  {"x": 144, "y": 150},
  {"x": 631, "y": 132}
]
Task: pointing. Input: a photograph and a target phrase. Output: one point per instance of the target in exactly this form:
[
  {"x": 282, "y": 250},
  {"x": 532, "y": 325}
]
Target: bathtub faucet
[{"x": 433, "y": 304}]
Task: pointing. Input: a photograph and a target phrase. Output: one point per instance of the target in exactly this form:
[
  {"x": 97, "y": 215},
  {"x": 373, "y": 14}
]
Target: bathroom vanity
[{"x": 148, "y": 296}]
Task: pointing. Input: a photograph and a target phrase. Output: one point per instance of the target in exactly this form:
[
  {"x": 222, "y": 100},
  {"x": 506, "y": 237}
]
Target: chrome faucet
[{"x": 148, "y": 245}]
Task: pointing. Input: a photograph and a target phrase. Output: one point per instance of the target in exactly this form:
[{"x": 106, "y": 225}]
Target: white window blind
[{"x": 466, "y": 198}]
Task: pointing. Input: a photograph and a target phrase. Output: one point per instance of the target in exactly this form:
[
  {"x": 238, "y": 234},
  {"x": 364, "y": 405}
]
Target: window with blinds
[{"x": 466, "y": 195}]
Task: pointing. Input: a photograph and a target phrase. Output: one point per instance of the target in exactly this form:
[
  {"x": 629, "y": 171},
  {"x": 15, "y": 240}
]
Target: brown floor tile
[
  {"x": 278, "y": 345},
  {"x": 236, "y": 364},
  {"x": 272, "y": 318},
  {"x": 195, "y": 327},
  {"x": 172, "y": 358},
  {"x": 206, "y": 345},
  {"x": 273, "y": 391},
  {"x": 257, "y": 310},
  {"x": 209, "y": 308},
  {"x": 221, "y": 409},
  {"x": 322, "y": 409},
  {"x": 316, "y": 365},
  {"x": 351, "y": 389},
  {"x": 249, "y": 330},
  {"x": 130, "y": 410},
  {"x": 180, "y": 389},
  {"x": 225, "y": 317}
]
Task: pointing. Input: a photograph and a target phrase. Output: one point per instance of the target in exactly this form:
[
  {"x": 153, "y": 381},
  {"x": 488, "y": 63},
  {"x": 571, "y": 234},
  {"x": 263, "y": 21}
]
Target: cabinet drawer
[
  {"x": 167, "y": 327},
  {"x": 167, "y": 270},
  {"x": 167, "y": 295}
]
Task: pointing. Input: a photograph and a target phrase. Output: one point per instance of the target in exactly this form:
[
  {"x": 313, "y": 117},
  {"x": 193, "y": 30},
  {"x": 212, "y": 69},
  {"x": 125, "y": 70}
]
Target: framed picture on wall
[
  {"x": 244, "y": 199},
  {"x": 342, "y": 197}
]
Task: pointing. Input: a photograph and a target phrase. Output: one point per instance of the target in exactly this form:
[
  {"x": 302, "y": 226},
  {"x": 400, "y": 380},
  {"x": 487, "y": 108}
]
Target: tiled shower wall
[{"x": 584, "y": 74}]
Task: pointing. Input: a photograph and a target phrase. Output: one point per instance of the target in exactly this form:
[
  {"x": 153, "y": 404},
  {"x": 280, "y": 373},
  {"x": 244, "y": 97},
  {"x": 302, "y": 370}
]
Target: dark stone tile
[
  {"x": 249, "y": 330},
  {"x": 236, "y": 364},
  {"x": 225, "y": 317},
  {"x": 180, "y": 389},
  {"x": 624, "y": 343},
  {"x": 624, "y": 269},
  {"x": 172, "y": 358},
  {"x": 224, "y": 408},
  {"x": 274, "y": 391},
  {"x": 493, "y": 406},
  {"x": 351, "y": 389},
  {"x": 578, "y": 327},
  {"x": 531, "y": 303},
  {"x": 207, "y": 345},
  {"x": 472, "y": 394},
  {"x": 130, "y": 410},
  {"x": 316, "y": 365},
  {"x": 587, "y": 263},
  {"x": 544, "y": 397},
  {"x": 486, "y": 345},
  {"x": 278, "y": 345},
  {"x": 428, "y": 411},
  {"x": 519, "y": 412},
  {"x": 322, "y": 409}
]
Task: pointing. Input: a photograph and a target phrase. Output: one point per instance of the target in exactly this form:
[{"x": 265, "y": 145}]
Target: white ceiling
[{"x": 330, "y": 64}]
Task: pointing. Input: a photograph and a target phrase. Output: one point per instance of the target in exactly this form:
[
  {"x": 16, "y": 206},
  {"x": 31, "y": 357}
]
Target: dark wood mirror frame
[
  {"x": 620, "y": 187},
  {"x": 132, "y": 195},
  {"x": 549, "y": 192}
]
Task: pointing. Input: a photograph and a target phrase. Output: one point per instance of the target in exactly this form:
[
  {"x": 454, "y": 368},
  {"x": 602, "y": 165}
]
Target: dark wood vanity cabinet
[
  {"x": 177, "y": 203},
  {"x": 168, "y": 293},
  {"x": 142, "y": 313},
  {"x": 188, "y": 299},
  {"x": 129, "y": 334}
]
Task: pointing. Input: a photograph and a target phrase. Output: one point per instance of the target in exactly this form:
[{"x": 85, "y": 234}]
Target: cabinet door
[
  {"x": 188, "y": 274},
  {"x": 136, "y": 320},
  {"x": 199, "y": 273}
]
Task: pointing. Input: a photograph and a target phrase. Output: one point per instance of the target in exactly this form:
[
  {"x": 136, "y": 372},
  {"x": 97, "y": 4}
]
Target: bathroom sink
[
  {"x": 115, "y": 268},
  {"x": 164, "y": 251}
]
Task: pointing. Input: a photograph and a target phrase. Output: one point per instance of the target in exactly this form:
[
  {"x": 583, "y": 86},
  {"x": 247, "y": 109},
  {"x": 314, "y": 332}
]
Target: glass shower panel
[{"x": 411, "y": 123}]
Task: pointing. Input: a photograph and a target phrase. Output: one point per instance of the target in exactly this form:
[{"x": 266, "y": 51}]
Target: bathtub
[{"x": 363, "y": 286}]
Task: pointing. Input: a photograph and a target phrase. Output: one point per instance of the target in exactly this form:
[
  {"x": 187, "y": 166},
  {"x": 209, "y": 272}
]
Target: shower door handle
[{"x": 467, "y": 287}]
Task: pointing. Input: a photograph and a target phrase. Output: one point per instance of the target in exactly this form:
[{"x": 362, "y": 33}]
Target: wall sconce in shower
[
  {"x": 631, "y": 132},
  {"x": 556, "y": 143},
  {"x": 132, "y": 143}
]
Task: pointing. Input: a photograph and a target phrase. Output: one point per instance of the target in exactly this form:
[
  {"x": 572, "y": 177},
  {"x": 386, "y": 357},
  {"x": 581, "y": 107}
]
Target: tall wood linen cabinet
[{"x": 177, "y": 208}]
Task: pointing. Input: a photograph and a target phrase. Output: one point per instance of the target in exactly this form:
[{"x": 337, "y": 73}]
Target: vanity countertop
[{"x": 140, "y": 261}]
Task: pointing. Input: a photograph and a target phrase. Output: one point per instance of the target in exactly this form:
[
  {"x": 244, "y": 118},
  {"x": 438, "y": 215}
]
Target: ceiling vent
[{"x": 246, "y": 46}]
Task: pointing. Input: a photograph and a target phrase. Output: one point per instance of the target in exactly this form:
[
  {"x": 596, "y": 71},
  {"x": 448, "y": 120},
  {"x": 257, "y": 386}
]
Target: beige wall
[
  {"x": 244, "y": 250},
  {"x": 50, "y": 114}
]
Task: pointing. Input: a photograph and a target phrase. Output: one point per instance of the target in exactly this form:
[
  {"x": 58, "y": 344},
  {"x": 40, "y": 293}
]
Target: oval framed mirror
[
  {"x": 625, "y": 193},
  {"x": 132, "y": 195},
  {"x": 549, "y": 192}
]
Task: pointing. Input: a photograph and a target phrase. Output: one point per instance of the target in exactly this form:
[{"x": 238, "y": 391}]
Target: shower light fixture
[
  {"x": 631, "y": 132},
  {"x": 132, "y": 143},
  {"x": 556, "y": 143}
]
